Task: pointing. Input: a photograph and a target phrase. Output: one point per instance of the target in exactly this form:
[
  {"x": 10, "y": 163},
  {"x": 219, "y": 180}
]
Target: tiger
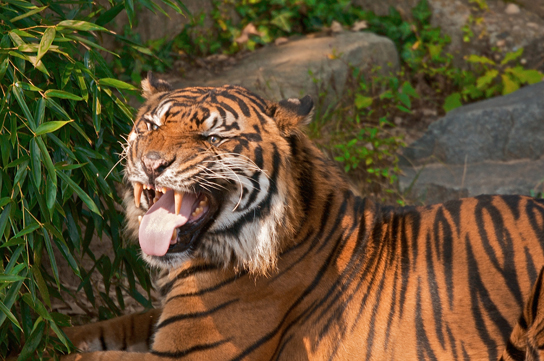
[
  {"x": 526, "y": 343},
  {"x": 267, "y": 252}
]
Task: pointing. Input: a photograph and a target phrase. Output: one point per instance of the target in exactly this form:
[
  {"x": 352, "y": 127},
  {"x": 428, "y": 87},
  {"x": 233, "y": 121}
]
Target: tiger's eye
[{"x": 214, "y": 139}]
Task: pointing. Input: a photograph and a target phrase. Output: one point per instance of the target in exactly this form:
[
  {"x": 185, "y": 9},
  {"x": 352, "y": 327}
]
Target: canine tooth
[
  {"x": 138, "y": 187},
  {"x": 174, "y": 235},
  {"x": 139, "y": 219},
  {"x": 178, "y": 198}
]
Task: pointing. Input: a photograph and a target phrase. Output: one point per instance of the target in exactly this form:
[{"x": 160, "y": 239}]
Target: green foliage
[
  {"x": 62, "y": 114},
  {"x": 271, "y": 18},
  {"x": 356, "y": 130}
]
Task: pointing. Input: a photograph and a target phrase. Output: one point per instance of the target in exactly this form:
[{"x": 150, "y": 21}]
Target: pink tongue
[{"x": 159, "y": 223}]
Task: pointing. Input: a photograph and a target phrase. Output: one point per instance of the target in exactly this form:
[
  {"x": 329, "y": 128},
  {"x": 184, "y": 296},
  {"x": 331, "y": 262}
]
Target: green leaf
[
  {"x": 13, "y": 292},
  {"x": 129, "y": 7},
  {"x": 403, "y": 109},
  {"x": 45, "y": 42},
  {"x": 54, "y": 93},
  {"x": 116, "y": 84},
  {"x": 81, "y": 25},
  {"x": 28, "y": 87},
  {"x": 405, "y": 99},
  {"x": 51, "y": 126},
  {"x": 52, "y": 260},
  {"x": 36, "y": 165},
  {"x": 59, "y": 334},
  {"x": 47, "y": 160},
  {"x": 30, "y": 228},
  {"x": 33, "y": 341},
  {"x": 362, "y": 101},
  {"x": 16, "y": 89},
  {"x": 453, "y": 101},
  {"x": 13, "y": 242},
  {"x": 283, "y": 21},
  {"x": 4, "y": 218},
  {"x": 512, "y": 56},
  {"x": 51, "y": 192},
  {"x": 479, "y": 59},
  {"x": 4, "y": 201},
  {"x": 526, "y": 76},
  {"x": 81, "y": 193},
  {"x": 487, "y": 78},
  {"x": 27, "y": 14},
  {"x": 3, "y": 67},
  {"x": 509, "y": 86},
  {"x": 11, "y": 278},
  {"x": 109, "y": 15},
  {"x": 9, "y": 315},
  {"x": 17, "y": 40},
  {"x": 408, "y": 89}
]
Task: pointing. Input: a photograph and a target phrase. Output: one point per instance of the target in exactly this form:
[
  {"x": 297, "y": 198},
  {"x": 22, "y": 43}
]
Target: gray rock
[
  {"x": 299, "y": 66},
  {"x": 437, "y": 183},
  {"x": 499, "y": 129}
]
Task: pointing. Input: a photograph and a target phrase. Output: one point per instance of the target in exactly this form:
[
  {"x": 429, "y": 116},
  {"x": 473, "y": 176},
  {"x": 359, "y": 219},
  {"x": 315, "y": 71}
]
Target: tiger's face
[{"x": 208, "y": 170}]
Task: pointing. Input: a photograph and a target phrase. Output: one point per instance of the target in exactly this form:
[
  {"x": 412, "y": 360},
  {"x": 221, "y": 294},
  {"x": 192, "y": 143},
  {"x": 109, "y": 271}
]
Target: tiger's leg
[
  {"x": 128, "y": 333},
  {"x": 526, "y": 343}
]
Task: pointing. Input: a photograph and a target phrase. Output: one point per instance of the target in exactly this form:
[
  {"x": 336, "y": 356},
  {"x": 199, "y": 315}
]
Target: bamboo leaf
[
  {"x": 16, "y": 89},
  {"x": 45, "y": 42},
  {"x": 52, "y": 260},
  {"x": 54, "y": 93},
  {"x": 81, "y": 193},
  {"x": 9, "y": 315},
  {"x": 116, "y": 84},
  {"x": 36, "y": 164},
  {"x": 30, "y": 228},
  {"x": 51, "y": 126},
  {"x": 27, "y": 14},
  {"x": 81, "y": 25},
  {"x": 33, "y": 341}
]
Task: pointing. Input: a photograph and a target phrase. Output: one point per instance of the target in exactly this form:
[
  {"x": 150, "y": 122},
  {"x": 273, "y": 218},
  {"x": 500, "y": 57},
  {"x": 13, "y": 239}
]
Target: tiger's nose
[{"x": 154, "y": 163}]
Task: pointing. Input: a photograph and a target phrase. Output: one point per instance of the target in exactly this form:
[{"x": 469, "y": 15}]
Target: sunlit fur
[{"x": 304, "y": 269}]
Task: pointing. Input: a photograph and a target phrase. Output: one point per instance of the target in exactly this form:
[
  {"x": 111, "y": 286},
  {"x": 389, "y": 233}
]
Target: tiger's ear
[
  {"x": 152, "y": 85},
  {"x": 292, "y": 113}
]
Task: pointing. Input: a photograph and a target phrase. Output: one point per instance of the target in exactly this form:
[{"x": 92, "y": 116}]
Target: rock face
[
  {"x": 494, "y": 146},
  {"x": 292, "y": 69},
  {"x": 500, "y": 129}
]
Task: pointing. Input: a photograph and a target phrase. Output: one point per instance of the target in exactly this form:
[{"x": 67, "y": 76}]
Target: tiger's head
[{"x": 209, "y": 175}]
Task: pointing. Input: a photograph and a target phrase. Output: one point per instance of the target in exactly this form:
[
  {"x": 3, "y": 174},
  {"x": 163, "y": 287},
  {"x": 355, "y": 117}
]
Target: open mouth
[{"x": 174, "y": 219}]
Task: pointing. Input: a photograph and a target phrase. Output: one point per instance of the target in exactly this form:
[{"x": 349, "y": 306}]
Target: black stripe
[
  {"x": 502, "y": 237},
  {"x": 424, "y": 349},
  {"x": 193, "y": 315},
  {"x": 205, "y": 290},
  {"x": 190, "y": 350},
  {"x": 479, "y": 294},
  {"x": 103, "y": 344},
  {"x": 514, "y": 352},
  {"x": 432, "y": 288},
  {"x": 164, "y": 290},
  {"x": 536, "y": 296}
]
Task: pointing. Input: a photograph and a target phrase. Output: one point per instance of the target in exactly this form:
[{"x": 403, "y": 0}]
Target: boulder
[
  {"x": 494, "y": 146},
  {"x": 504, "y": 128},
  {"x": 301, "y": 66}
]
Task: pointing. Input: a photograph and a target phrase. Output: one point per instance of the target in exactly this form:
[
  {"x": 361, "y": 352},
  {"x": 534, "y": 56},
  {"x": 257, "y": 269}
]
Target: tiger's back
[{"x": 287, "y": 263}]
